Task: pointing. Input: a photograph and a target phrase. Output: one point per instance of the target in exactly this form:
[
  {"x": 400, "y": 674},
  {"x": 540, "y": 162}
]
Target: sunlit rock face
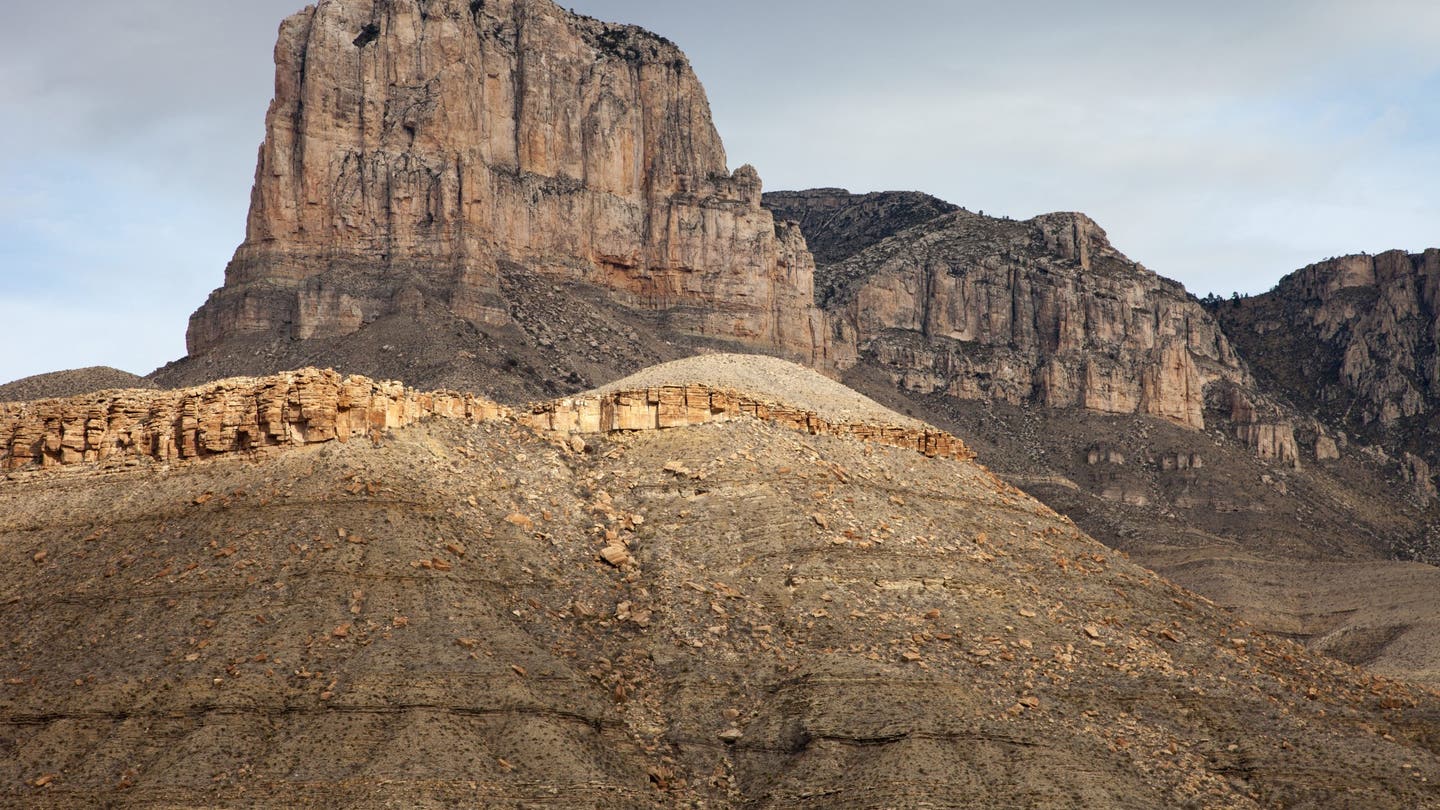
[
  {"x": 1042, "y": 311},
  {"x": 412, "y": 147}
]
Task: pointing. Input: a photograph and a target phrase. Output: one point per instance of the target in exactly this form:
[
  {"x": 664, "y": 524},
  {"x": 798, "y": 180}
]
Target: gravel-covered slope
[
  {"x": 809, "y": 622},
  {"x": 770, "y": 379}
]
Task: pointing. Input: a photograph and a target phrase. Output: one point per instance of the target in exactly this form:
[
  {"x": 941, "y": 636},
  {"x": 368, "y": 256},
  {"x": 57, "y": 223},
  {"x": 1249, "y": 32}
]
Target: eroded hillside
[{"x": 731, "y": 614}]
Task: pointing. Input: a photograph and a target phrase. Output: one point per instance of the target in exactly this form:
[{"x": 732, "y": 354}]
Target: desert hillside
[{"x": 741, "y": 612}]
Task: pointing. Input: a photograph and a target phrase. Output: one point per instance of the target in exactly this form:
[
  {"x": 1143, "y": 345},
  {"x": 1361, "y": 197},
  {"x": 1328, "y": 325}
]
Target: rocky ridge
[
  {"x": 1353, "y": 341},
  {"x": 311, "y": 406},
  {"x": 1118, "y": 399},
  {"x": 237, "y": 415},
  {"x": 1043, "y": 311},
  {"x": 69, "y": 383},
  {"x": 838, "y": 224}
]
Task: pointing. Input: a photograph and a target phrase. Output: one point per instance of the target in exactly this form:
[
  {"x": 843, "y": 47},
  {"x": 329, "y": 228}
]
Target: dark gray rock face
[{"x": 838, "y": 224}]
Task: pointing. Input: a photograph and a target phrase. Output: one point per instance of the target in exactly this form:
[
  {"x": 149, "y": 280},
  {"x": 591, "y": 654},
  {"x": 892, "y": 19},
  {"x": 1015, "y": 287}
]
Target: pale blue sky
[{"x": 1222, "y": 144}]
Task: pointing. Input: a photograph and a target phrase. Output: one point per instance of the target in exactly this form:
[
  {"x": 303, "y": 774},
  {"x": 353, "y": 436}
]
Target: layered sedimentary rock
[
  {"x": 1356, "y": 335},
  {"x": 291, "y": 409},
  {"x": 1043, "y": 311},
  {"x": 689, "y": 405},
  {"x": 311, "y": 406},
  {"x": 414, "y": 146}
]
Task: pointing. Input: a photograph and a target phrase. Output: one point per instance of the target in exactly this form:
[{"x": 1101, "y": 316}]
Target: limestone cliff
[
  {"x": 1355, "y": 342},
  {"x": 415, "y": 145},
  {"x": 1356, "y": 336},
  {"x": 238, "y": 415},
  {"x": 1043, "y": 311}
]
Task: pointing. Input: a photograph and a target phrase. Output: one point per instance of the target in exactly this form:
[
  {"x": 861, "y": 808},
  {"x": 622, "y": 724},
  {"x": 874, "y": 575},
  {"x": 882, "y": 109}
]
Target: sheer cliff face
[
  {"x": 413, "y": 144},
  {"x": 1043, "y": 310},
  {"x": 1357, "y": 338}
]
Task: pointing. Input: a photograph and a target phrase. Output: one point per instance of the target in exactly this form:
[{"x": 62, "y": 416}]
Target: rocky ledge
[
  {"x": 236, "y": 415},
  {"x": 312, "y": 406}
]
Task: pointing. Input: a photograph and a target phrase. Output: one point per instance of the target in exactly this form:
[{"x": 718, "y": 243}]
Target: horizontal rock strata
[
  {"x": 681, "y": 406},
  {"x": 295, "y": 408},
  {"x": 313, "y": 406}
]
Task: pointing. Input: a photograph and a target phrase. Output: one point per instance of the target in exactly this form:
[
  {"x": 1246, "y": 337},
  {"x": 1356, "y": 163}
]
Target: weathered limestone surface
[
  {"x": 1354, "y": 342},
  {"x": 1264, "y": 427},
  {"x": 1416, "y": 472},
  {"x": 1043, "y": 311},
  {"x": 680, "y": 406},
  {"x": 412, "y": 146},
  {"x": 295, "y": 408},
  {"x": 1273, "y": 442},
  {"x": 1360, "y": 332},
  {"x": 313, "y": 406}
]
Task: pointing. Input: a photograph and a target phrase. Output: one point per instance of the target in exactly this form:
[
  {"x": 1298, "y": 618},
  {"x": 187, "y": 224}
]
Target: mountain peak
[{"x": 414, "y": 148}]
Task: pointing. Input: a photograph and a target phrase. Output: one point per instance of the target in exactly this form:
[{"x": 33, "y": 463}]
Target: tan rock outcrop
[
  {"x": 1177, "y": 462},
  {"x": 1262, "y": 426},
  {"x": 1105, "y": 454},
  {"x": 412, "y": 146},
  {"x": 688, "y": 405},
  {"x": 1416, "y": 472},
  {"x": 1044, "y": 310},
  {"x": 291, "y": 409},
  {"x": 1272, "y": 442},
  {"x": 311, "y": 406},
  {"x": 1374, "y": 319}
]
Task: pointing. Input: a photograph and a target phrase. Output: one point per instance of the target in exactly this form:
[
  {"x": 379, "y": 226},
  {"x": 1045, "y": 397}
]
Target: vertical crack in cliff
[
  {"x": 519, "y": 87},
  {"x": 297, "y": 145}
]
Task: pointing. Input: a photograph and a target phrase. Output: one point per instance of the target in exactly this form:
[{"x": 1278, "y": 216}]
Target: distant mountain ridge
[
  {"x": 838, "y": 224},
  {"x": 69, "y": 383}
]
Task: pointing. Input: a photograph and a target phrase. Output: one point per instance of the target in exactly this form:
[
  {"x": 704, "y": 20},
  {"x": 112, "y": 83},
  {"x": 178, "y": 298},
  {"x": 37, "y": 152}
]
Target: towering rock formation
[
  {"x": 415, "y": 147},
  {"x": 1355, "y": 337},
  {"x": 1040, "y": 311},
  {"x": 1355, "y": 341}
]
